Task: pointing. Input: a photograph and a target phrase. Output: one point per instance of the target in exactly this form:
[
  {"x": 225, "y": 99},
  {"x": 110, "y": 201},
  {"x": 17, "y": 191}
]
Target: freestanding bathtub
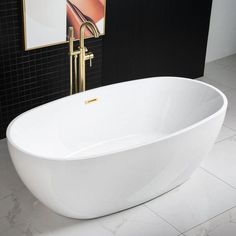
[{"x": 112, "y": 148}]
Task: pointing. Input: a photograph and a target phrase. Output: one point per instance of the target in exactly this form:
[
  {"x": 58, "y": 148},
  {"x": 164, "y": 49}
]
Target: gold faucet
[{"x": 83, "y": 54}]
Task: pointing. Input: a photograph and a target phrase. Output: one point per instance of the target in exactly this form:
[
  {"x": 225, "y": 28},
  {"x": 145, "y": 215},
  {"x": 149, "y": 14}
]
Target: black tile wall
[
  {"x": 155, "y": 38},
  {"x": 32, "y": 78}
]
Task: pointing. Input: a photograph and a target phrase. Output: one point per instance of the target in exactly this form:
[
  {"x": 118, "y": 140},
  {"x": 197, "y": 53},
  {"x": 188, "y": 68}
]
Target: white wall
[{"x": 222, "y": 35}]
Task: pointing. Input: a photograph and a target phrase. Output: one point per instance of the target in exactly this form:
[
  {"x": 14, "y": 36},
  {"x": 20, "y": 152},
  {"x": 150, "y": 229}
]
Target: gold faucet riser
[
  {"x": 83, "y": 56},
  {"x": 71, "y": 49},
  {"x": 76, "y": 73}
]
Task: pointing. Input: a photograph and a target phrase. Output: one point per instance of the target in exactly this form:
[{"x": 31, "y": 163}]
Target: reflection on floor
[{"x": 203, "y": 206}]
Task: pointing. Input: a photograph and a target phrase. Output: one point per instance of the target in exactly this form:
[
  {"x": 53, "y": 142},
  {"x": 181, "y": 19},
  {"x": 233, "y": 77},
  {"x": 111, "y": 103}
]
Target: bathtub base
[{"x": 78, "y": 217}]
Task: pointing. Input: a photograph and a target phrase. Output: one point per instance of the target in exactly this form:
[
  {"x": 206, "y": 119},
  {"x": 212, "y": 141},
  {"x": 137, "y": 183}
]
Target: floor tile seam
[
  {"x": 150, "y": 209},
  {"x": 233, "y": 129},
  {"x": 210, "y": 219},
  {"x": 218, "y": 178},
  {"x": 229, "y": 137}
]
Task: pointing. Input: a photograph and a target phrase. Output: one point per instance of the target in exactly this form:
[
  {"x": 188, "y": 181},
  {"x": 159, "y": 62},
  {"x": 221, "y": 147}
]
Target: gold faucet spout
[
  {"x": 93, "y": 29},
  {"x": 83, "y": 56}
]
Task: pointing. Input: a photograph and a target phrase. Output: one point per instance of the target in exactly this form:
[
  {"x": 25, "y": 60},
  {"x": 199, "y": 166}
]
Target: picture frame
[{"x": 46, "y": 22}]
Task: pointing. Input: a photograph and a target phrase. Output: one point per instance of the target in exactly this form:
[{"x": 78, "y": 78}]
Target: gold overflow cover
[{"x": 91, "y": 101}]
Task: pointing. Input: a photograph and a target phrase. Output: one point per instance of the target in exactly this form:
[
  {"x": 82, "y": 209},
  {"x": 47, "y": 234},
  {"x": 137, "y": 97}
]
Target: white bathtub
[{"x": 139, "y": 140}]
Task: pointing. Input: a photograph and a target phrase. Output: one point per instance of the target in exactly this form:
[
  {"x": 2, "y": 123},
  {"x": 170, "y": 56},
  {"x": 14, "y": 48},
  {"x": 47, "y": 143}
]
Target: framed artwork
[{"x": 46, "y": 22}]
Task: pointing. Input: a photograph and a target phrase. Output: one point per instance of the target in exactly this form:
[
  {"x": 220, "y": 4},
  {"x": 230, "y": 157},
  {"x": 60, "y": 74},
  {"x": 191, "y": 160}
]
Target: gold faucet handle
[
  {"x": 85, "y": 49},
  {"x": 89, "y": 56}
]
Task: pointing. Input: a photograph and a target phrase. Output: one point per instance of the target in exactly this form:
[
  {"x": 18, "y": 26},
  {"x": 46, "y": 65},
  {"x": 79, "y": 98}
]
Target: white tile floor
[{"x": 203, "y": 206}]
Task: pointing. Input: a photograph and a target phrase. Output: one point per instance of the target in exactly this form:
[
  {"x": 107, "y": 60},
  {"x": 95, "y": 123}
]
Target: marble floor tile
[
  {"x": 226, "y": 77},
  {"x": 193, "y": 203},
  {"x": 23, "y": 215},
  {"x": 222, "y": 161},
  {"x": 9, "y": 179},
  {"x": 230, "y": 121},
  {"x": 213, "y": 67},
  {"x": 5, "y": 160},
  {"x": 222, "y": 225},
  {"x": 227, "y": 62},
  {"x": 231, "y": 96},
  {"x": 214, "y": 83},
  {"x": 15, "y": 209},
  {"x": 225, "y": 133}
]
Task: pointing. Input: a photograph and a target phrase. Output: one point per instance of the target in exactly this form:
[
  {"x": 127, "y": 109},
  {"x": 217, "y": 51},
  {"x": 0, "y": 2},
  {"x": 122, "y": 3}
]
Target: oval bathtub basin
[{"x": 112, "y": 148}]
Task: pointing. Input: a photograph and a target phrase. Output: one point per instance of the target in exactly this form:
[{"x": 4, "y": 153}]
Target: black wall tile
[{"x": 147, "y": 38}]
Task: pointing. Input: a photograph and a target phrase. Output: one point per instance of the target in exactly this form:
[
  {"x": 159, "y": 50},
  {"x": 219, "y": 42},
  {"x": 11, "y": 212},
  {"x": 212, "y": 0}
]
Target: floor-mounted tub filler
[{"x": 112, "y": 148}]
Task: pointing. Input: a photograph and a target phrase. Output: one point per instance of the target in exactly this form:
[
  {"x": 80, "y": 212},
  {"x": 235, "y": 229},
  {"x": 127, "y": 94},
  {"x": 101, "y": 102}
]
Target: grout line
[
  {"x": 228, "y": 127},
  {"x": 233, "y": 129},
  {"x": 182, "y": 233},
  {"x": 231, "y": 136},
  {"x": 150, "y": 209},
  {"x": 209, "y": 219},
  {"x": 210, "y": 173}
]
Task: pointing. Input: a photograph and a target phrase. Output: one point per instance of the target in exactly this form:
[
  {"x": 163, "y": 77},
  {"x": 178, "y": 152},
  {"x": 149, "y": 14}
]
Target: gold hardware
[
  {"x": 71, "y": 45},
  {"x": 91, "y": 101},
  {"x": 83, "y": 54},
  {"x": 76, "y": 74}
]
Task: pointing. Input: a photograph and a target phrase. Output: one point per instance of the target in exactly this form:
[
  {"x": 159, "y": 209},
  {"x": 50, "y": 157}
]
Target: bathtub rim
[{"x": 85, "y": 157}]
